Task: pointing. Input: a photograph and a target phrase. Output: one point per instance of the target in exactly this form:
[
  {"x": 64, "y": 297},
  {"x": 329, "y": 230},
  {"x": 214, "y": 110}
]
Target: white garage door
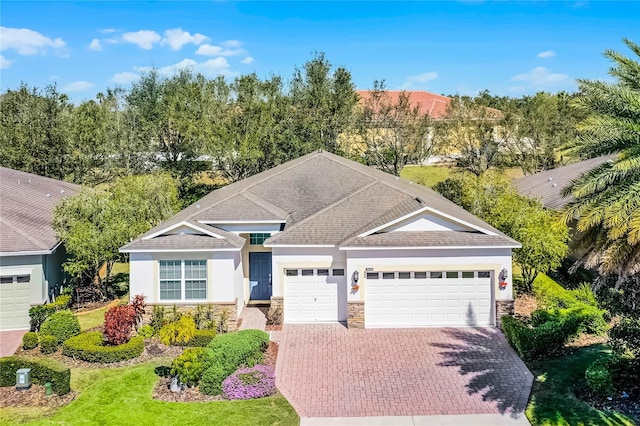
[
  {"x": 421, "y": 299},
  {"x": 315, "y": 295},
  {"x": 15, "y": 296}
]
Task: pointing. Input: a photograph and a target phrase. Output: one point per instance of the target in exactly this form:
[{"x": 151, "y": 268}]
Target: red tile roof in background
[{"x": 429, "y": 103}]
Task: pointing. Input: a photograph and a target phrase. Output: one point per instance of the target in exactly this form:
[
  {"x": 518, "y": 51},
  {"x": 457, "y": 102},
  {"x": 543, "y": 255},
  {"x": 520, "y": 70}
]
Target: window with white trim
[
  {"x": 183, "y": 280},
  {"x": 13, "y": 279}
]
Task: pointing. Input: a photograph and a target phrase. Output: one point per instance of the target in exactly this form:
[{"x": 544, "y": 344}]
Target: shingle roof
[
  {"x": 548, "y": 185},
  {"x": 183, "y": 242},
  {"x": 325, "y": 200},
  {"x": 26, "y": 210},
  {"x": 430, "y": 239}
]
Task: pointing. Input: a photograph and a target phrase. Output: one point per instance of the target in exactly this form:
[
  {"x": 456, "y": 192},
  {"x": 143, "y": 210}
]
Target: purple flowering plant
[{"x": 250, "y": 383}]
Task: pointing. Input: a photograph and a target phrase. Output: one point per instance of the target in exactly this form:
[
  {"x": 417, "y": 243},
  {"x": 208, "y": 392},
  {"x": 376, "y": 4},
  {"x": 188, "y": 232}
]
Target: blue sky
[{"x": 508, "y": 47}]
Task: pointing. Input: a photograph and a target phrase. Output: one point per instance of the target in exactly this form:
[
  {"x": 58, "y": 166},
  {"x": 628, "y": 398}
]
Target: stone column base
[
  {"x": 355, "y": 314},
  {"x": 503, "y": 307},
  {"x": 275, "y": 316}
]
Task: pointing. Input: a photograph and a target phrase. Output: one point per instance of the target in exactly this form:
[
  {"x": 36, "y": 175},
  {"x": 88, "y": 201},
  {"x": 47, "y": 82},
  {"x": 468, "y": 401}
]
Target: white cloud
[
  {"x": 28, "y": 42},
  {"x": 124, "y": 77},
  {"x": 231, "y": 43},
  {"x": 108, "y": 31},
  {"x": 95, "y": 44},
  {"x": 209, "y": 68},
  {"x": 547, "y": 54},
  {"x": 143, "y": 38},
  {"x": 78, "y": 86},
  {"x": 247, "y": 60},
  {"x": 418, "y": 80},
  {"x": 212, "y": 50},
  {"x": 4, "y": 63},
  {"x": 176, "y": 38},
  {"x": 540, "y": 78}
]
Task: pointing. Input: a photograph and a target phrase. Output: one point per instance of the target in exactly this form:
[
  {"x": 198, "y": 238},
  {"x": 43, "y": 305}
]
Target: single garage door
[
  {"x": 433, "y": 298},
  {"x": 315, "y": 295},
  {"x": 15, "y": 297}
]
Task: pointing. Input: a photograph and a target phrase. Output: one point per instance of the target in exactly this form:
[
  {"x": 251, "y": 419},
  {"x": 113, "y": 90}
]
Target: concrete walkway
[
  {"x": 464, "y": 420},
  {"x": 329, "y": 371},
  {"x": 10, "y": 341},
  {"x": 252, "y": 318}
]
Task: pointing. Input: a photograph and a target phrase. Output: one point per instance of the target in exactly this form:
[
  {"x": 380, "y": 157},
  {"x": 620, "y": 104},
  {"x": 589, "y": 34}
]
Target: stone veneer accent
[
  {"x": 503, "y": 307},
  {"x": 355, "y": 314},
  {"x": 275, "y": 316},
  {"x": 217, "y": 308}
]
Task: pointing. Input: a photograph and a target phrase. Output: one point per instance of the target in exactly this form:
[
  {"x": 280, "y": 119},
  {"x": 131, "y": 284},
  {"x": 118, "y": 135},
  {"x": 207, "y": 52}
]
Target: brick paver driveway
[{"x": 326, "y": 370}]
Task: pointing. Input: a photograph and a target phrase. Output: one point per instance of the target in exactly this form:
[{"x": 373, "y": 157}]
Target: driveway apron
[{"x": 326, "y": 370}]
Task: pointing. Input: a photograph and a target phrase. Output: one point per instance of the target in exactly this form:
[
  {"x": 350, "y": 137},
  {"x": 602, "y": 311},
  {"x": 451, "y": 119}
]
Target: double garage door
[
  {"x": 422, "y": 299},
  {"x": 315, "y": 295}
]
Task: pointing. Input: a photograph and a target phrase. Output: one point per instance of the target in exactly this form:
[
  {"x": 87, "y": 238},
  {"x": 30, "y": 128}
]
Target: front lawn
[
  {"x": 122, "y": 396},
  {"x": 553, "y": 400},
  {"x": 95, "y": 318}
]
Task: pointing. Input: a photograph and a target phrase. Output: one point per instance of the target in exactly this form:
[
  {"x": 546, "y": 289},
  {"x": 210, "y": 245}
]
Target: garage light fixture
[{"x": 356, "y": 276}]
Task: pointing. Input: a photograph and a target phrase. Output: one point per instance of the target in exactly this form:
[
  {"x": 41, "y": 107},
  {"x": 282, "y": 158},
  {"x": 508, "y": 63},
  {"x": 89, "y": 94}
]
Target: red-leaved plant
[
  {"x": 138, "y": 306},
  {"x": 118, "y": 322}
]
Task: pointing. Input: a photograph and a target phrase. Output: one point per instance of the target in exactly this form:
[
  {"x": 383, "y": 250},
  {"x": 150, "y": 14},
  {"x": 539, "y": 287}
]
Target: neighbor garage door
[
  {"x": 314, "y": 295},
  {"x": 15, "y": 296},
  {"x": 433, "y": 298}
]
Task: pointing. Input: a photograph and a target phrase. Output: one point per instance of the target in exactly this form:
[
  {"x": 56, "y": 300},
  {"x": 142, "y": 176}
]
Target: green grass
[
  {"x": 431, "y": 175},
  {"x": 92, "y": 319},
  {"x": 120, "y": 268},
  {"x": 123, "y": 396},
  {"x": 553, "y": 400}
]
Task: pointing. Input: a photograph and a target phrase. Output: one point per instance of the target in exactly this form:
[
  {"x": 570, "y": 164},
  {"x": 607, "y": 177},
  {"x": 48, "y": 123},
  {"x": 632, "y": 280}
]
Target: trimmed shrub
[
  {"x": 531, "y": 342},
  {"x": 179, "y": 332},
  {"x": 201, "y": 338},
  {"x": 625, "y": 336},
  {"x": 118, "y": 323},
  {"x": 189, "y": 366},
  {"x": 228, "y": 352},
  {"x": 599, "y": 377},
  {"x": 89, "y": 347},
  {"x": 42, "y": 371},
  {"x": 146, "y": 331},
  {"x": 48, "y": 344},
  {"x": 30, "y": 340},
  {"x": 250, "y": 383},
  {"x": 62, "y": 302},
  {"x": 62, "y": 325},
  {"x": 591, "y": 319},
  {"x": 38, "y": 314}
]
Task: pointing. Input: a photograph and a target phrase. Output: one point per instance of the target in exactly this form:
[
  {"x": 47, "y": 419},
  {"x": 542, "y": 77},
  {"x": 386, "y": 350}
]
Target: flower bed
[{"x": 250, "y": 383}]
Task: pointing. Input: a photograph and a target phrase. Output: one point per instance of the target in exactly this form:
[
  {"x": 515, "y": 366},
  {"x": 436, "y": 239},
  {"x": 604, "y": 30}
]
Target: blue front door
[{"x": 260, "y": 276}]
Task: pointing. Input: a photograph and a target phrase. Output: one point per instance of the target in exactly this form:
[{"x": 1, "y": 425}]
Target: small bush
[
  {"x": 598, "y": 377},
  {"x": 38, "y": 314},
  {"x": 118, "y": 323},
  {"x": 138, "y": 306},
  {"x": 179, "y": 332},
  {"x": 212, "y": 378},
  {"x": 158, "y": 319},
  {"x": 48, "y": 344},
  {"x": 189, "y": 366},
  {"x": 624, "y": 337},
  {"x": 30, "y": 340},
  {"x": 89, "y": 347},
  {"x": 250, "y": 383},
  {"x": 62, "y": 325},
  {"x": 590, "y": 318},
  {"x": 62, "y": 302},
  {"x": 42, "y": 371},
  {"x": 146, "y": 331},
  {"x": 228, "y": 352},
  {"x": 201, "y": 338}
]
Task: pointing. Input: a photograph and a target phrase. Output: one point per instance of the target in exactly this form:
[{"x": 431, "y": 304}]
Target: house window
[
  {"x": 323, "y": 272},
  {"x": 179, "y": 275},
  {"x": 307, "y": 272},
  {"x": 372, "y": 275},
  {"x": 467, "y": 274},
  {"x": 435, "y": 275},
  {"x": 452, "y": 274},
  {"x": 404, "y": 275},
  {"x": 420, "y": 275},
  {"x": 258, "y": 239},
  {"x": 484, "y": 274},
  {"x": 388, "y": 275},
  {"x": 338, "y": 272},
  {"x": 292, "y": 272}
]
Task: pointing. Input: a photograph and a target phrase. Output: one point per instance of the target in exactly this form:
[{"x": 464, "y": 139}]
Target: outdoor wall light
[
  {"x": 504, "y": 274},
  {"x": 356, "y": 276}
]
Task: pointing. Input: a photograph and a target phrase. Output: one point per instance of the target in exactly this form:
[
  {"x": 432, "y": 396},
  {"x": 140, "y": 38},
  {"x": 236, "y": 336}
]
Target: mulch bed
[
  {"x": 162, "y": 392},
  {"x": 629, "y": 405},
  {"x": 32, "y": 397},
  {"x": 525, "y": 304}
]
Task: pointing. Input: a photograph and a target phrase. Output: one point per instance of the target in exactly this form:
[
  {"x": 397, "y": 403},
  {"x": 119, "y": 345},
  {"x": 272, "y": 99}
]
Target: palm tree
[{"x": 607, "y": 198}]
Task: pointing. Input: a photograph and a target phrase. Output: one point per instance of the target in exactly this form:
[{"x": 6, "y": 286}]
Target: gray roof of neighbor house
[
  {"x": 323, "y": 199},
  {"x": 547, "y": 185},
  {"x": 26, "y": 211}
]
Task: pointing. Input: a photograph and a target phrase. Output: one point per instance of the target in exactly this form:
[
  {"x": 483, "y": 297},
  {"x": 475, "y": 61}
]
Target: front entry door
[{"x": 260, "y": 276}]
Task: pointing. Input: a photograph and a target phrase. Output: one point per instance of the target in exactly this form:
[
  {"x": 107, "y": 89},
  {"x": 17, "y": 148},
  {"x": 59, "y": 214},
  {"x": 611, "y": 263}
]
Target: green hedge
[
  {"x": 48, "y": 344},
  {"x": 62, "y": 325},
  {"x": 89, "y": 347},
  {"x": 551, "y": 295},
  {"x": 227, "y": 352},
  {"x": 30, "y": 340},
  {"x": 38, "y": 314},
  {"x": 42, "y": 371},
  {"x": 543, "y": 340},
  {"x": 201, "y": 338}
]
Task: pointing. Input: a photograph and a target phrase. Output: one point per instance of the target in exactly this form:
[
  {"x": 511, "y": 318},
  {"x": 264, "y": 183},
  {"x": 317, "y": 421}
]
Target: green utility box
[{"x": 23, "y": 379}]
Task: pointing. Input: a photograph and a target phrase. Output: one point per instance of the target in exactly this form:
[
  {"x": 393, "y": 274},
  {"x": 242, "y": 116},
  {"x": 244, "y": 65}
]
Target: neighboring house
[
  {"x": 435, "y": 106},
  {"x": 325, "y": 239},
  {"x": 31, "y": 255},
  {"x": 547, "y": 186}
]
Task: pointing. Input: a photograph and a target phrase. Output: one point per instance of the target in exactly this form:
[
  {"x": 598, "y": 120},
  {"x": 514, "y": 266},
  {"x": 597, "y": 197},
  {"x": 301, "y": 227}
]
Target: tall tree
[
  {"x": 390, "y": 133},
  {"x": 607, "y": 198}
]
